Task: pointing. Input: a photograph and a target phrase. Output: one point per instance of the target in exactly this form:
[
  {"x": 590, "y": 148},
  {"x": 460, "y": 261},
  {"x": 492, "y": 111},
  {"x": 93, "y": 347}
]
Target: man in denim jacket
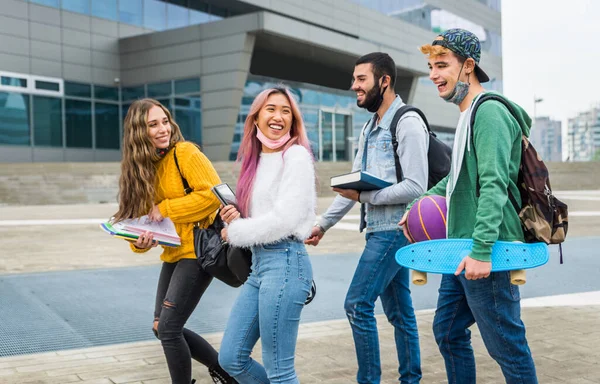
[{"x": 377, "y": 274}]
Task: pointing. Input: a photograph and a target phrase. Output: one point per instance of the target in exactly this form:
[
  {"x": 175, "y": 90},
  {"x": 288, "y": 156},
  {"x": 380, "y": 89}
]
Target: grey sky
[{"x": 551, "y": 49}]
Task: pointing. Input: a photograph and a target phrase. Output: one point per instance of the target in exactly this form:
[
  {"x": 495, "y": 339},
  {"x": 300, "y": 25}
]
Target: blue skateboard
[{"x": 444, "y": 256}]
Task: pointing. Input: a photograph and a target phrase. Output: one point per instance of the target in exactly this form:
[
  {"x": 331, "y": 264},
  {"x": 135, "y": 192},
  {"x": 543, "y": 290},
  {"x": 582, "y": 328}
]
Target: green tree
[{"x": 596, "y": 155}]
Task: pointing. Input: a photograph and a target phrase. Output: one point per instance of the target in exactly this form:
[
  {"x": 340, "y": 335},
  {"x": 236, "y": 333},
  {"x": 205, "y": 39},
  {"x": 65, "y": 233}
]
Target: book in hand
[
  {"x": 131, "y": 229},
  {"x": 359, "y": 180}
]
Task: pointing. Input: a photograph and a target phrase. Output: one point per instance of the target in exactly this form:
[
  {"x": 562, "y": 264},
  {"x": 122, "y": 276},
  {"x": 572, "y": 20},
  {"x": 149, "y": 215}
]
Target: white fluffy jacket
[{"x": 283, "y": 201}]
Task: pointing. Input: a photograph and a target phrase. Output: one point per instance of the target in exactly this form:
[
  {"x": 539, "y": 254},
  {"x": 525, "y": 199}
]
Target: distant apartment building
[
  {"x": 583, "y": 139},
  {"x": 546, "y": 137}
]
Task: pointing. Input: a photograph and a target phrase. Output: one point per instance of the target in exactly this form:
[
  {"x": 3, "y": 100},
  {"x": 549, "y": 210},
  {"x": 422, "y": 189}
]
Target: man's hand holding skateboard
[{"x": 474, "y": 269}]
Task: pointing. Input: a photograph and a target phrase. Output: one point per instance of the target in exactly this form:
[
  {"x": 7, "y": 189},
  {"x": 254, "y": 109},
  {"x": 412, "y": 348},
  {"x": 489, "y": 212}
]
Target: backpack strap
[
  {"x": 486, "y": 97},
  {"x": 186, "y": 186},
  {"x": 394, "y": 125},
  {"x": 482, "y": 99},
  {"x": 363, "y": 133}
]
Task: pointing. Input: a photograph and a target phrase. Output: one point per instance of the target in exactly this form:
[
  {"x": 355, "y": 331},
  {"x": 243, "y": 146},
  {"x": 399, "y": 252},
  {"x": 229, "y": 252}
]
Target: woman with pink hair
[{"x": 276, "y": 211}]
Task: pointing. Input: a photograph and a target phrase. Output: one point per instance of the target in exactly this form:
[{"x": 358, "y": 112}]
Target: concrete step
[{"x": 71, "y": 183}]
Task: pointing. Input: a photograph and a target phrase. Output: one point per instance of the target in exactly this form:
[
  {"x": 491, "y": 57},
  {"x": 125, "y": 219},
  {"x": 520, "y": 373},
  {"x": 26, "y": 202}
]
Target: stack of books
[{"x": 131, "y": 229}]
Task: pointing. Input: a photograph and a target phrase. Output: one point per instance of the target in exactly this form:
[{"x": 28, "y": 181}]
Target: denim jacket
[{"x": 382, "y": 209}]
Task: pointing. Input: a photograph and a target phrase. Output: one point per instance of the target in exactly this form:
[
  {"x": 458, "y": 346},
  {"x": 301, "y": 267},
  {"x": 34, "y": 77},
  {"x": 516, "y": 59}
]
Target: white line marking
[
  {"x": 568, "y": 300},
  {"x": 584, "y": 213},
  {"x": 15, "y": 223},
  {"x": 347, "y": 217},
  {"x": 342, "y": 224},
  {"x": 346, "y": 226},
  {"x": 576, "y": 192},
  {"x": 578, "y": 198}
]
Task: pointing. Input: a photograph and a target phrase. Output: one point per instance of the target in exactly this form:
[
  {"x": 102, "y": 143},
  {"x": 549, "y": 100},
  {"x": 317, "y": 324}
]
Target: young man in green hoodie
[{"x": 485, "y": 165}]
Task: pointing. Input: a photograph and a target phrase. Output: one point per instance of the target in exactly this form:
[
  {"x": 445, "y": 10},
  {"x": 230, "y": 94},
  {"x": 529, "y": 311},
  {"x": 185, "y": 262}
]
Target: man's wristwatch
[{"x": 320, "y": 228}]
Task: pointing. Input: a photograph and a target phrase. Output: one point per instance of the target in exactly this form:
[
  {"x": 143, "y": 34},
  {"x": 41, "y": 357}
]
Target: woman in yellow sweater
[{"x": 152, "y": 184}]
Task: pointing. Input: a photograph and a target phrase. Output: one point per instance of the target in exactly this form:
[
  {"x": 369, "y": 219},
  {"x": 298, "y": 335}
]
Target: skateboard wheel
[
  {"x": 518, "y": 277},
  {"x": 419, "y": 278}
]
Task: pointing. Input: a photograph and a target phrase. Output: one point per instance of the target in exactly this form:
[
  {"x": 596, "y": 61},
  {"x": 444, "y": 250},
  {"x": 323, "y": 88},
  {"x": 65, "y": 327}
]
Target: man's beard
[{"x": 373, "y": 99}]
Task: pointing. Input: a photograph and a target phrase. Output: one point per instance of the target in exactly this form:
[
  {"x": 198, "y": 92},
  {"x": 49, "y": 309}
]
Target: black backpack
[
  {"x": 439, "y": 154},
  {"x": 543, "y": 217}
]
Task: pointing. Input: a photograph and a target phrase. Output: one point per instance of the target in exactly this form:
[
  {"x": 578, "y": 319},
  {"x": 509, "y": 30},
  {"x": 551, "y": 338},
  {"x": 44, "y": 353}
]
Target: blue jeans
[
  {"x": 494, "y": 303},
  {"x": 378, "y": 275},
  {"x": 269, "y": 307}
]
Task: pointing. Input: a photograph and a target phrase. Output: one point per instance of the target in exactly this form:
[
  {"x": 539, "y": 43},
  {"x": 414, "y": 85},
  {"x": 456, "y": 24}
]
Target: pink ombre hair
[{"x": 251, "y": 147}]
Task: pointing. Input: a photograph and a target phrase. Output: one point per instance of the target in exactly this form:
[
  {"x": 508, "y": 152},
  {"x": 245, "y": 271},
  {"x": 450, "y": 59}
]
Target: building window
[
  {"x": 14, "y": 112},
  {"x": 47, "y": 121},
  {"x": 47, "y": 85},
  {"x": 187, "y": 86},
  {"x": 78, "y": 89},
  {"x": 125, "y": 109},
  {"x": 167, "y": 104},
  {"x": 13, "y": 81},
  {"x": 177, "y": 16},
  {"x": 130, "y": 12},
  {"x": 107, "y": 126},
  {"x": 188, "y": 115},
  {"x": 197, "y": 17},
  {"x": 106, "y": 9},
  {"x": 79, "y": 6},
  {"x": 49, "y": 3},
  {"x": 152, "y": 14},
  {"x": 106, "y": 93},
  {"x": 159, "y": 89},
  {"x": 91, "y": 116},
  {"x": 133, "y": 93},
  {"x": 78, "y": 123},
  {"x": 155, "y": 15},
  {"x": 41, "y": 85}
]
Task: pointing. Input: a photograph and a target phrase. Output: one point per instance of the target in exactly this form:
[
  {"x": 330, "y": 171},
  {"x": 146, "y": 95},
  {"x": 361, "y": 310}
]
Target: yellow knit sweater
[{"x": 200, "y": 206}]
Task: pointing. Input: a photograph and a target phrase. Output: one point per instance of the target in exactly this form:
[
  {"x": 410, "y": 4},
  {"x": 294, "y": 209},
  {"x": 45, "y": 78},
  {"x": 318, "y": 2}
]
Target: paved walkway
[
  {"x": 562, "y": 331},
  {"x": 565, "y": 342}
]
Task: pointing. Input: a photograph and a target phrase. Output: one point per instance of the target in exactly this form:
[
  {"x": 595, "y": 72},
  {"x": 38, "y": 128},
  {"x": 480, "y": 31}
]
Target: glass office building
[
  {"x": 56, "y": 113},
  {"x": 69, "y": 69}
]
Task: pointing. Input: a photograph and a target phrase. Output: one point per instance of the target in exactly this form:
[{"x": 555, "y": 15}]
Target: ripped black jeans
[{"x": 180, "y": 287}]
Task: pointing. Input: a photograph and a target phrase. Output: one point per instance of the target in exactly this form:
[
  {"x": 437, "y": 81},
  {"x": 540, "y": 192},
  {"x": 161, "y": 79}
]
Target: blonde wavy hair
[
  {"x": 434, "y": 50},
  {"x": 138, "y": 165}
]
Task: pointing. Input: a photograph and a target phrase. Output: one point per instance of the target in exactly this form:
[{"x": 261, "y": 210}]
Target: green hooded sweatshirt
[{"x": 497, "y": 156}]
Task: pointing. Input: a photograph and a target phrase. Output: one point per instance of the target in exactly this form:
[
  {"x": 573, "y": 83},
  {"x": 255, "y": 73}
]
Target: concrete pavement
[
  {"x": 562, "y": 331},
  {"x": 565, "y": 342}
]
